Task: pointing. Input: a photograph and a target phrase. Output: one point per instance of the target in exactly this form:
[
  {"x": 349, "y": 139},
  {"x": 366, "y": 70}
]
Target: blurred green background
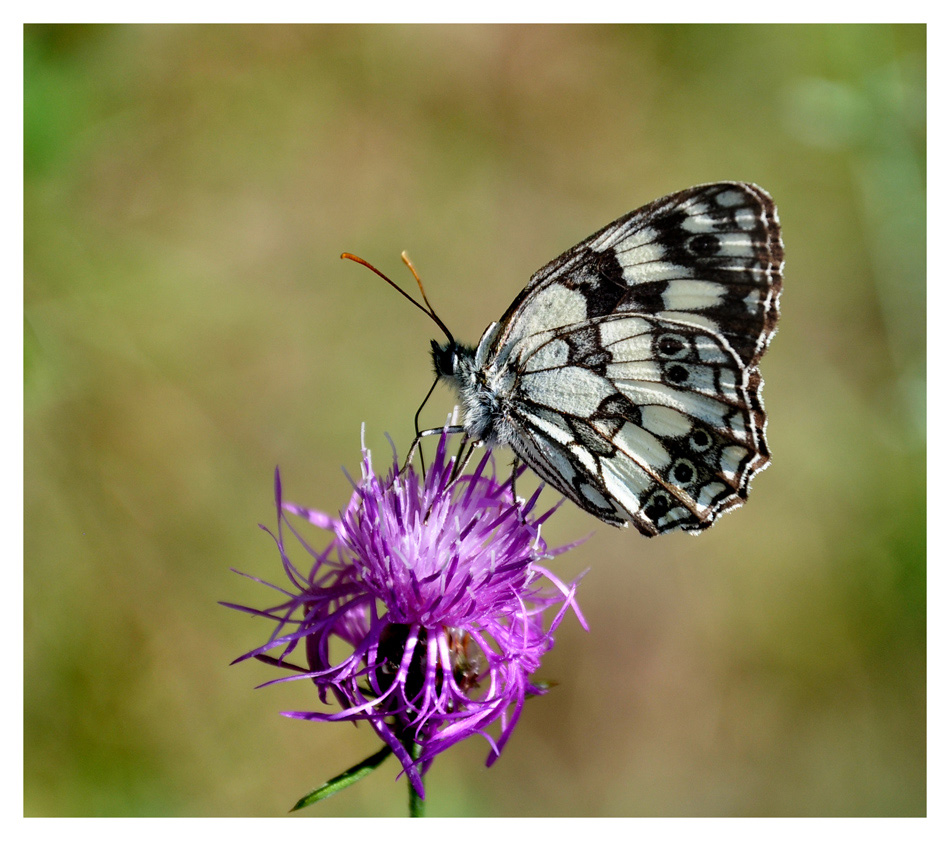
[{"x": 189, "y": 325}]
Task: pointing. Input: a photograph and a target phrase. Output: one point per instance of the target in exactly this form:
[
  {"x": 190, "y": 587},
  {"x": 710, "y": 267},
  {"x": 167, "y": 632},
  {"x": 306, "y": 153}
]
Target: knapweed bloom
[{"x": 427, "y": 612}]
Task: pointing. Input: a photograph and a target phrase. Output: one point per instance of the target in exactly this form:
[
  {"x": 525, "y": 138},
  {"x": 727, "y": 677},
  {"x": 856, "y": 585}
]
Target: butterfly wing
[{"x": 637, "y": 388}]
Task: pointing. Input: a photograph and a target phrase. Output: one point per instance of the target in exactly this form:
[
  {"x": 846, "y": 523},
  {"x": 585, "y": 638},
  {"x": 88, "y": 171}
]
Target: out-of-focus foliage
[{"x": 189, "y": 325}]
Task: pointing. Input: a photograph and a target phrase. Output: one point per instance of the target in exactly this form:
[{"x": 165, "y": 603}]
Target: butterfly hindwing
[{"x": 648, "y": 414}]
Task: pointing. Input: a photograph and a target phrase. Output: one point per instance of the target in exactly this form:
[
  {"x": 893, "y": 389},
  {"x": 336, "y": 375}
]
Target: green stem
[{"x": 417, "y": 806}]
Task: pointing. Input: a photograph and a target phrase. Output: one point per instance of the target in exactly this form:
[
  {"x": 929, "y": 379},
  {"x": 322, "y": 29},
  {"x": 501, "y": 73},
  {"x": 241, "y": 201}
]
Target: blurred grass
[{"x": 188, "y": 325}]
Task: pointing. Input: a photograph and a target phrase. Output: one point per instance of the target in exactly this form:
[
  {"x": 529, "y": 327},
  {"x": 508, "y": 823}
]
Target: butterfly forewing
[{"x": 626, "y": 372}]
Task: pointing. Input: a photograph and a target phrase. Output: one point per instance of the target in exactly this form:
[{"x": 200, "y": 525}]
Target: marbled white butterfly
[{"x": 626, "y": 372}]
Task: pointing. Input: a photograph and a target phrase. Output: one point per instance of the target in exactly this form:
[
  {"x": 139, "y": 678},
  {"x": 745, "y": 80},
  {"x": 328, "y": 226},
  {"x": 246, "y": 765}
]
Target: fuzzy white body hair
[{"x": 484, "y": 387}]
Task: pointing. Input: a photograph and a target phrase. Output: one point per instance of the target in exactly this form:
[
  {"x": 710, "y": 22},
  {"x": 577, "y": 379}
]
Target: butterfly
[{"x": 626, "y": 373}]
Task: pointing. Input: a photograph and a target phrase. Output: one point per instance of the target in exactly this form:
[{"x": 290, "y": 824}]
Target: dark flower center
[{"x": 392, "y": 649}]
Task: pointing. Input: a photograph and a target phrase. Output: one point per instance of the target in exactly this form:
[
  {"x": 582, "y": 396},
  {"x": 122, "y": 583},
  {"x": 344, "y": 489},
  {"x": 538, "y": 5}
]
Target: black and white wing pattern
[{"x": 626, "y": 373}]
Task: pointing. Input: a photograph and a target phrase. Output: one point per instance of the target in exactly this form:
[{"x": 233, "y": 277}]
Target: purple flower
[{"x": 436, "y": 591}]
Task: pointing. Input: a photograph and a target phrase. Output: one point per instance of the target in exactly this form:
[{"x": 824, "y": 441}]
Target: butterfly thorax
[{"x": 483, "y": 388}]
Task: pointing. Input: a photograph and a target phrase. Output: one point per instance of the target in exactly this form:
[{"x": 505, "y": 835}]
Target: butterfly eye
[{"x": 444, "y": 358}]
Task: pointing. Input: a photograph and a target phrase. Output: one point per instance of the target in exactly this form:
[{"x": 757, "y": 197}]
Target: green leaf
[{"x": 341, "y": 781}]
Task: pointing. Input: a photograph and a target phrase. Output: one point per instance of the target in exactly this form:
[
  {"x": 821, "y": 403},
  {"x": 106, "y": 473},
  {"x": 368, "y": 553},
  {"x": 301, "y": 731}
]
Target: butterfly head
[
  {"x": 481, "y": 396},
  {"x": 445, "y": 359},
  {"x": 457, "y": 363}
]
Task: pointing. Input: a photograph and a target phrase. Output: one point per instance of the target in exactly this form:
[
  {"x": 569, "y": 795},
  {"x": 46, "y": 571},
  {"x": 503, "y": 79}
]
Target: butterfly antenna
[
  {"x": 431, "y": 310},
  {"x": 427, "y": 309}
]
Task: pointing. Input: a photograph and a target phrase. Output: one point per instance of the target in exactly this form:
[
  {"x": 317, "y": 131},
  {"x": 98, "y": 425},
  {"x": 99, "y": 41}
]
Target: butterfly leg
[
  {"x": 416, "y": 444},
  {"x": 517, "y": 467},
  {"x": 462, "y": 457},
  {"x": 458, "y": 463},
  {"x": 418, "y": 433}
]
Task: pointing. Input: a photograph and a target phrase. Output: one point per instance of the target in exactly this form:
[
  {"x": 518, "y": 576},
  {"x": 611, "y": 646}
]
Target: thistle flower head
[{"x": 425, "y": 613}]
